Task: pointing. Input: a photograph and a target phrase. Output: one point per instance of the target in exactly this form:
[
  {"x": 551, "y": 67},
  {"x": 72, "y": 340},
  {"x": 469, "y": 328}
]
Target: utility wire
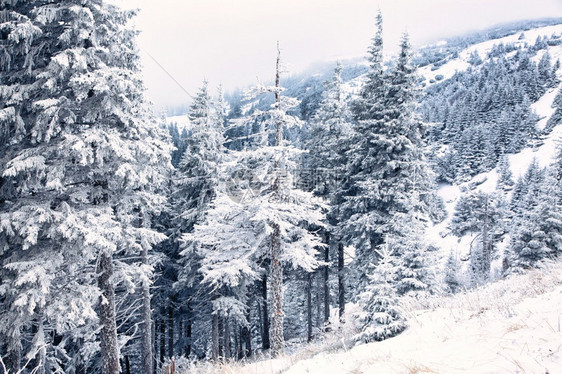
[{"x": 167, "y": 73}]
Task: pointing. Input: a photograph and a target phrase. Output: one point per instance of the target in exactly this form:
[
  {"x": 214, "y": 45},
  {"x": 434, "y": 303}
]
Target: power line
[{"x": 167, "y": 73}]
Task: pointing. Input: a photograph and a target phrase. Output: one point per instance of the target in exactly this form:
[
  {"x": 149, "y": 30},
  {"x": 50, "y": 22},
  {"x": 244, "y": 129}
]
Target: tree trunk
[
  {"x": 127, "y": 365},
  {"x": 38, "y": 332},
  {"x": 326, "y": 280},
  {"x": 237, "y": 343},
  {"x": 188, "y": 333},
  {"x": 486, "y": 247},
  {"x": 162, "y": 337},
  {"x": 278, "y": 125},
  {"x": 221, "y": 337},
  {"x": 188, "y": 329},
  {"x": 319, "y": 317},
  {"x": 341, "y": 288},
  {"x": 309, "y": 306},
  {"x": 154, "y": 342},
  {"x": 215, "y": 337},
  {"x": 108, "y": 333},
  {"x": 276, "y": 278},
  {"x": 146, "y": 332},
  {"x": 246, "y": 332},
  {"x": 276, "y": 268},
  {"x": 180, "y": 331},
  {"x": 227, "y": 348},
  {"x": 171, "y": 328},
  {"x": 265, "y": 313}
]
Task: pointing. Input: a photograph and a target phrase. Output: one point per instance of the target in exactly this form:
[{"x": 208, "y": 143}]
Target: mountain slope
[
  {"x": 511, "y": 326},
  {"x": 507, "y": 327},
  {"x": 519, "y": 162},
  {"x": 449, "y": 65}
]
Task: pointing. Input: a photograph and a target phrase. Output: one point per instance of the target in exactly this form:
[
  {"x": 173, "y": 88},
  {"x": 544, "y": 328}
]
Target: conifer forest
[{"x": 270, "y": 218}]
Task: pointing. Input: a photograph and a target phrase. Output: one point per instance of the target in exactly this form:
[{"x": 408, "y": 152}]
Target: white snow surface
[
  {"x": 510, "y": 326},
  {"x": 448, "y": 69},
  {"x": 182, "y": 122},
  {"x": 543, "y": 108}
]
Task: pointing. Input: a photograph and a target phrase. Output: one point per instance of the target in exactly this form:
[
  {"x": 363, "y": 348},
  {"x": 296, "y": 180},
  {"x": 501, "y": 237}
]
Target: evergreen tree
[
  {"x": 197, "y": 173},
  {"x": 387, "y": 167},
  {"x": 537, "y": 229},
  {"x": 505, "y": 177},
  {"x": 330, "y": 132},
  {"x": 556, "y": 117},
  {"x": 526, "y": 193},
  {"x": 330, "y": 135},
  {"x": 263, "y": 217},
  {"x": 452, "y": 270},
  {"x": 381, "y": 317},
  {"x": 195, "y": 186},
  {"x": 415, "y": 273},
  {"x": 369, "y": 104},
  {"x": 81, "y": 163},
  {"x": 479, "y": 213}
]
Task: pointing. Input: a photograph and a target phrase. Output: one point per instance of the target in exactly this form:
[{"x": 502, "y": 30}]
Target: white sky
[{"x": 233, "y": 42}]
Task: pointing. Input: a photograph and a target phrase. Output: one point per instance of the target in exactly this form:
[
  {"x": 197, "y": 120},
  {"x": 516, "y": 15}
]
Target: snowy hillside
[
  {"x": 511, "y": 326},
  {"x": 519, "y": 162},
  {"x": 462, "y": 62},
  {"x": 287, "y": 228}
]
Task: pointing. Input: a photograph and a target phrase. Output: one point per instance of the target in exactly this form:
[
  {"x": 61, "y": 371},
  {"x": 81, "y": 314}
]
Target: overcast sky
[{"x": 233, "y": 41}]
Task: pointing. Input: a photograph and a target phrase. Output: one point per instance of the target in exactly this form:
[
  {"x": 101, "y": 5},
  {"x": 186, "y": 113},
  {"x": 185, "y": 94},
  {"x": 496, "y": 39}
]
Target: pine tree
[
  {"x": 262, "y": 217},
  {"x": 369, "y": 104},
  {"x": 330, "y": 136},
  {"x": 197, "y": 173},
  {"x": 545, "y": 71},
  {"x": 330, "y": 132},
  {"x": 82, "y": 160},
  {"x": 481, "y": 214},
  {"x": 526, "y": 192},
  {"x": 381, "y": 317},
  {"x": 387, "y": 165},
  {"x": 452, "y": 269},
  {"x": 505, "y": 177},
  {"x": 556, "y": 117},
  {"x": 415, "y": 273},
  {"x": 195, "y": 187},
  {"x": 537, "y": 229}
]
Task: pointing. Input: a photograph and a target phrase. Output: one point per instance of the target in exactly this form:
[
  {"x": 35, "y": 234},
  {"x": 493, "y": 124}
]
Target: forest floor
[{"x": 510, "y": 326}]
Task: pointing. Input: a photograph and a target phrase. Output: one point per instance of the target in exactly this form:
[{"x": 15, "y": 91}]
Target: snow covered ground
[
  {"x": 545, "y": 154},
  {"x": 448, "y": 69},
  {"x": 510, "y": 326}
]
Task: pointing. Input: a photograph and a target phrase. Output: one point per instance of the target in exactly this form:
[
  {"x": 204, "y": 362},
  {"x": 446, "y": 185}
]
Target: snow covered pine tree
[
  {"x": 267, "y": 225},
  {"x": 81, "y": 162},
  {"x": 388, "y": 172},
  {"x": 330, "y": 139}
]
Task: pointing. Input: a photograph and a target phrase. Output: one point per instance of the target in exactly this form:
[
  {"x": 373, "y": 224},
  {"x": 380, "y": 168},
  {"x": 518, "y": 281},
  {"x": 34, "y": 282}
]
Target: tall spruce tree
[
  {"x": 537, "y": 231},
  {"x": 81, "y": 162},
  {"x": 195, "y": 186},
  {"x": 260, "y": 217},
  {"x": 388, "y": 172},
  {"x": 330, "y": 136},
  {"x": 479, "y": 214},
  {"x": 197, "y": 173}
]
